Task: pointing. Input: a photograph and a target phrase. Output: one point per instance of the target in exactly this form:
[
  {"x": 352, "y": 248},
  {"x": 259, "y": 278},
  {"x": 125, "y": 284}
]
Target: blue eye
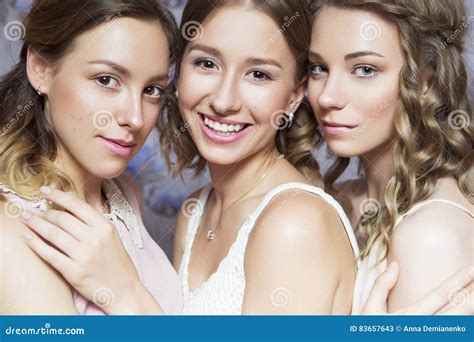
[
  {"x": 153, "y": 91},
  {"x": 108, "y": 81},
  {"x": 365, "y": 71},
  {"x": 317, "y": 69}
]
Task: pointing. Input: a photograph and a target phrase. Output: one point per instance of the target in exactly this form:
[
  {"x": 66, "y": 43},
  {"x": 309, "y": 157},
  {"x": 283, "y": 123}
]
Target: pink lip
[
  {"x": 118, "y": 147},
  {"x": 220, "y": 139},
  {"x": 333, "y": 128}
]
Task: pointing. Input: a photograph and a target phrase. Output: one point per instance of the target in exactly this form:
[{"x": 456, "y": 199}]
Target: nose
[
  {"x": 131, "y": 112},
  {"x": 226, "y": 98},
  {"x": 332, "y": 95}
]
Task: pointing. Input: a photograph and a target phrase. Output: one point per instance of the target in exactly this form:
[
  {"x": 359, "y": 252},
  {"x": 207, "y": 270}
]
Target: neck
[
  {"x": 89, "y": 187},
  {"x": 378, "y": 168},
  {"x": 232, "y": 181}
]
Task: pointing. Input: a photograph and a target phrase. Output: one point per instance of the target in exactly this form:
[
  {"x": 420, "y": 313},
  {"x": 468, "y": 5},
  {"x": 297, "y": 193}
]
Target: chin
[
  {"x": 343, "y": 150},
  {"x": 109, "y": 169}
]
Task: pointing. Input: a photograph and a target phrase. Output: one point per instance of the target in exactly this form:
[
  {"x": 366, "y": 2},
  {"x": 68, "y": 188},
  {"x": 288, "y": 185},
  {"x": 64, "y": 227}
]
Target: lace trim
[
  {"x": 41, "y": 203},
  {"x": 120, "y": 210}
]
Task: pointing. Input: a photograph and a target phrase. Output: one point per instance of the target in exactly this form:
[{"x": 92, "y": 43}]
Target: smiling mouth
[{"x": 222, "y": 127}]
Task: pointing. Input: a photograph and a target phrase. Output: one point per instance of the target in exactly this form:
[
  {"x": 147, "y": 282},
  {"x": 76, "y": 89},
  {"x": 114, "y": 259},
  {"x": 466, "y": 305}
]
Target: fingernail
[
  {"x": 392, "y": 266},
  {"x": 45, "y": 190},
  {"x": 471, "y": 272},
  {"x": 26, "y": 215},
  {"x": 27, "y": 235}
]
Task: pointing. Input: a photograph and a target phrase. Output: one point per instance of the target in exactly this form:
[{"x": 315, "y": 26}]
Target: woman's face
[
  {"x": 235, "y": 79},
  {"x": 355, "y": 59},
  {"x": 104, "y": 99}
]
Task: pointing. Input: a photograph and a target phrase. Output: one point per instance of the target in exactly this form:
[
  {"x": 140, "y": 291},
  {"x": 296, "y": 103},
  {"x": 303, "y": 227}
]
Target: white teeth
[{"x": 222, "y": 127}]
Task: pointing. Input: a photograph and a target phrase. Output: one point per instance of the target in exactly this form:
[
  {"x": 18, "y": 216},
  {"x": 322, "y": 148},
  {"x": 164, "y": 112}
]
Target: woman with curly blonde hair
[{"x": 392, "y": 92}]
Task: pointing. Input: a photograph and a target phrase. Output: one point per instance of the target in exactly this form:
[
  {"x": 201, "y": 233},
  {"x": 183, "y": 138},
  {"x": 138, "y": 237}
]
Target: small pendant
[{"x": 210, "y": 235}]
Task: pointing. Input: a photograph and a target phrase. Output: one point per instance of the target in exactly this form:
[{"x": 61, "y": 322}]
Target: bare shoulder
[
  {"x": 190, "y": 207},
  {"x": 299, "y": 243},
  {"x": 29, "y": 285},
  {"x": 430, "y": 245}
]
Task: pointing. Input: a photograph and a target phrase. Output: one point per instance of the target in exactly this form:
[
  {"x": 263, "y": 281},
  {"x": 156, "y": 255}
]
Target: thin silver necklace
[{"x": 211, "y": 233}]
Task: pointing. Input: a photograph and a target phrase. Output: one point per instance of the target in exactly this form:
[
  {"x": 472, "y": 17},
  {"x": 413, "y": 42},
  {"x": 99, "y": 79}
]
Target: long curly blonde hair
[
  {"x": 295, "y": 142},
  {"x": 28, "y": 145},
  {"x": 434, "y": 135}
]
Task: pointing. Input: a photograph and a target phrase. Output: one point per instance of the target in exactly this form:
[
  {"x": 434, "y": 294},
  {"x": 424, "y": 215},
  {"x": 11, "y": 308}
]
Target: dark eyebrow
[
  {"x": 124, "y": 71},
  {"x": 207, "y": 49},
  {"x": 361, "y": 54},
  {"x": 312, "y": 54},
  {"x": 217, "y": 53},
  {"x": 258, "y": 61},
  {"x": 120, "y": 69}
]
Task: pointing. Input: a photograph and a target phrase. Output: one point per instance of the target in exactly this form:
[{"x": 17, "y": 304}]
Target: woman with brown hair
[
  {"x": 262, "y": 238},
  {"x": 392, "y": 92},
  {"x": 75, "y": 109}
]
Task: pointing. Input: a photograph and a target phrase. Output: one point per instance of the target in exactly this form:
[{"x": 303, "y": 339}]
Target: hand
[
  {"x": 85, "y": 247},
  {"x": 454, "y": 296}
]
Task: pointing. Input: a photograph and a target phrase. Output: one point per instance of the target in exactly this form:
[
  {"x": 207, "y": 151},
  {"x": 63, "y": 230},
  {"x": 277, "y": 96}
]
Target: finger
[
  {"x": 52, "y": 256},
  {"x": 74, "y": 205},
  {"x": 67, "y": 222},
  {"x": 377, "y": 301},
  {"x": 439, "y": 297},
  {"x": 52, "y": 234}
]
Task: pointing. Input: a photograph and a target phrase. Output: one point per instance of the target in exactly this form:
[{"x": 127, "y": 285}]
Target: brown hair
[
  {"x": 28, "y": 145},
  {"x": 298, "y": 140},
  {"x": 434, "y": 135}
]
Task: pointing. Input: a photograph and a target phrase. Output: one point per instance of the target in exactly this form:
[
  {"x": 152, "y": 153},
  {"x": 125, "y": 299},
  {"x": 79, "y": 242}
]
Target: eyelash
[
  {"x": 371, "y": 67},
  {"x": 110, "y": 77},
  {"x": 267, "y": 76}
]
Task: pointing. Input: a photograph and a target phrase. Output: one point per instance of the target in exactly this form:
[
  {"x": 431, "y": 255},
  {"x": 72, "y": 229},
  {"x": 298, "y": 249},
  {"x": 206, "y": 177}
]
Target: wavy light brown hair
[
  {"x": 435, "y": 134},
  {"x": 295, "y": 142},
  {"x": 28, "y": 145}
]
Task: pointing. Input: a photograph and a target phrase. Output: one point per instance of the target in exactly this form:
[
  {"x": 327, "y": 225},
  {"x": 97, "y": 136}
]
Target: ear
[
  {"x": 427, "y": 75},
  {"x": 298, "y": 95},
  {"x": 38, "y": 71}
]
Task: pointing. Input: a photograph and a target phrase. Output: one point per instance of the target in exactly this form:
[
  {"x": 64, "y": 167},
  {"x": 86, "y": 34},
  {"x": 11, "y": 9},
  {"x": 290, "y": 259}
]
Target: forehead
[
  {"x": 347, "y": 30},
  {"x": 136, "y": 44},
  {"x": 243, "y": 31}
]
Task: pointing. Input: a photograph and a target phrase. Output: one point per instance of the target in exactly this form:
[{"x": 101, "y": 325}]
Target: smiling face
[
  {"x": 355, "y": 60},
  {"x": 104, "y": 99},
  {"x": 231, "y": 82}
]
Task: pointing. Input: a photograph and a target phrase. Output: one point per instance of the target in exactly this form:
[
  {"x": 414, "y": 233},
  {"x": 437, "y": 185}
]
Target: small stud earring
[
  {"x": 290, "y": 118},
  {"x": 39, "y": 92}
]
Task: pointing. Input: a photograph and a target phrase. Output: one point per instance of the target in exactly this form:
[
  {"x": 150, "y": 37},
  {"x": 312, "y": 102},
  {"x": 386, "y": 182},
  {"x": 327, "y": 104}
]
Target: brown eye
[
  {"x": 153, "y": 91},
  {"x": 107, "y": 81}
]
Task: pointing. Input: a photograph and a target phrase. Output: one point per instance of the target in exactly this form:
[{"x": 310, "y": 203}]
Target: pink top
[{"x": 153, "y": 267}]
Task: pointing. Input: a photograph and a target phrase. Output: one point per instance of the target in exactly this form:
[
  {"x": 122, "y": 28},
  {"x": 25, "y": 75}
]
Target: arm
[
  {"x": 29, "y": 286},
  {"x": 298, "y": 260},
  {"x": 430, "y": 245},
  {"x": 85, "y": 248}
]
